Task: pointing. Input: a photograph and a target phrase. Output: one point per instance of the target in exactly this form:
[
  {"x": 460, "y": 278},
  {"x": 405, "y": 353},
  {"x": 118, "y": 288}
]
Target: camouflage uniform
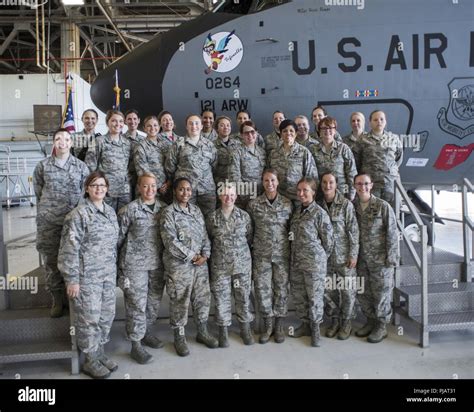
[
  {"x": 150, "y": 157},
  {"x": 340, "y": 162},
  {"x": 81, "y": 141},
  {"x": 134, "y": 142},
  {"x": 196, "y": 162},
  {"x": 140, "y": 259},
  {"x": 337, "y": 136},
  {"x": 378, "y": 257},
  {"x": 340, "y": 303},
  {"x": 311, "y": 237},
  {"x": 167, "y": 144},
  {"x": 231, "y": 264},
  {"x": 212, "y": 135},
  {"x": 353, "y": 143},
  {"x": 272, "y": 142},
  {"x": 380, "y": 157},
  {"x": 271, "y": 253},
  {"x": 58, "y": 190},
  {"x": 310, "y": 141},
  {"x": 291, "y": 168},
  {"x": 184, "y": 235},
  {"x": 224, "y": 153},
  {"x": 88, "y": 257},
  {"x": 246, "y": 166},
  {"x": 259, "y": 140},
  {"x": 112, "y": 158}
]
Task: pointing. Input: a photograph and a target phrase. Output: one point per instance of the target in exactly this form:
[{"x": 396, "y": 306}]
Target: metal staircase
[{"x": 433, "y": 287}]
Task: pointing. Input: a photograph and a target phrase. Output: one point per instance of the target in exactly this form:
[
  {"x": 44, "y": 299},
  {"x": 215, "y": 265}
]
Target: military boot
[
  {"x": 302, "y": 330},
  {"x": 265, "y": 336},
  {"x": 152, "y": 341},
  {"x": 379, "y": 333},
  {"x": 106, "y": 361},
  {"x": 315, "y": 334},
  {"x": 279, "y": 334},
  {"x": 223, "y": 337},
  {"x": 204, "y": 337},
  {"x": 345, "y": 330},
  {"x": 57, "y": 307},
  {"x": 139, "y": 353},
  {"x": 246, "y": 333},
  {"x": 366, "y": 329},
  {"x": 180, "y": 343},
  {"x": 94, "y": 368},
  {"x": 332, "y": 330}
]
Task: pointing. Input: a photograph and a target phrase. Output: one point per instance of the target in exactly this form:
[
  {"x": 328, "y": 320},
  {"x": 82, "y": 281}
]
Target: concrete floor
[{"x": 450, "y": 355}]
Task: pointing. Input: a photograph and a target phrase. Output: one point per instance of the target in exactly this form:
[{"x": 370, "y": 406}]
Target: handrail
[
  {"x": 421, "y": 261},
  {"x": 468, "y": 231}
]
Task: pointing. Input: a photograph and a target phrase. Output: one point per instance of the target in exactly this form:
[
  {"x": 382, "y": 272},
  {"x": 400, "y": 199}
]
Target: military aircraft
[{"x": 412, "y": 59}]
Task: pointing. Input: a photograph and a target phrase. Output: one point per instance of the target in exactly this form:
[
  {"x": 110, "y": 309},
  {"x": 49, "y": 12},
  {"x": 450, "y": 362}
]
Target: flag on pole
[
  {"x": 68, "y": 115},
  {"x": 117, "y": 92}
]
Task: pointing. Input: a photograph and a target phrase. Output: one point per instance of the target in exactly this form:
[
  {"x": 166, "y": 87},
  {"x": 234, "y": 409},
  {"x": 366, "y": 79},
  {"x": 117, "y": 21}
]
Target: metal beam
[
  {"x": 50, "y": 55},
  {"x": 91, "y": 43},
  {"x": 128, "y": 35},
  {"x": 109, "y": 19}
]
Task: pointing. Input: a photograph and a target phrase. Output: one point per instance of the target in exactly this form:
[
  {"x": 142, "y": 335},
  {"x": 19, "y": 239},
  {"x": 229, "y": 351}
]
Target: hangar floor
[{"x": 450, "y": 355}]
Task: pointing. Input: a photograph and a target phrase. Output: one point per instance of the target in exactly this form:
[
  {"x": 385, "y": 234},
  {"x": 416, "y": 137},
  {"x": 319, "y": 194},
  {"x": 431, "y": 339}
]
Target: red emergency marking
[{"x": 452, "y": 155}]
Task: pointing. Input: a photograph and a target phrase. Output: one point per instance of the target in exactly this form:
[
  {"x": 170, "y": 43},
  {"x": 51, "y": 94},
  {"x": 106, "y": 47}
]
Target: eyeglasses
[
  {"x": 360, "y": 184},
  {"x": 250, "y": 132},
  {"x": 325, "y": 129},
  {"x": 95, "y": 186}
]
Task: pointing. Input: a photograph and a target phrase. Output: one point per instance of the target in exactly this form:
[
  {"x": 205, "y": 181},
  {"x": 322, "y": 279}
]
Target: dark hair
[
  {"x": 130, "y": 112},
  {"x": 363, "y": 174},
  {"x": 320, "y": 194},
  {"x": 248, "y": 123},
  {"x": 375, "y": 111},
  {"x": 210, "y": 111},
  {"x": 110, "y": 113},
  {"x": 148, "y": 118},
  {"x": 285, "y": 123},
  {"x": 191, "y": 115},
  {"x": 60, "y": 130},
  {"x": 219, "y": 119},
  {"x": 94, "y": 176},
  {"x": 311, "y": 181},
  {"x": 162, "y": 113},
  {"x": 328, "y": 121},
  {"x": 271, "y": 170},
  {"x": 90, "y": 110},
  {"x": 319, "y": 107},
  {"x": 179, "y": 180},
  {"x": 278, "y": 111},
  {"x": 243, "y": 111}
]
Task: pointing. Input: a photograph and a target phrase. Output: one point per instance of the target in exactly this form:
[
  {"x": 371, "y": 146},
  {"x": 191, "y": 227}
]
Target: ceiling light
[{"x": 72, "y": 2}]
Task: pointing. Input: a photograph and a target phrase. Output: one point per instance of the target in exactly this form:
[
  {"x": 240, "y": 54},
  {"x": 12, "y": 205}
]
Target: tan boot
[
  {"x": 180, "y": 343},
  {"x": 379, "y": 333},
  {"x": 57, "y": 307},
  {"x": 366, "y": 329},
  {"x": 94, "y": 368},
  {"x": 333, "y": 329},
  {"x": 205, "y": 337},
  {"x": 345, "y": 330},
  {"x": 279, "y": 334},
  {"x": 265, "y": 336},
  {"x": 246, "y": 333}
]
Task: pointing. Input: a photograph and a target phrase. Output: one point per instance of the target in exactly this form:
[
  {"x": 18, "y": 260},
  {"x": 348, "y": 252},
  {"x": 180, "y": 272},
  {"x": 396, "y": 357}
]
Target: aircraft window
[{"x": 234, "y": 6}]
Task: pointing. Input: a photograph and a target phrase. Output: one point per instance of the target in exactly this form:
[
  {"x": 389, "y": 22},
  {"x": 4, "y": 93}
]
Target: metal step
[
  {"x": 25, "y": 299},
  {"x": 25, "y": 352},
  {"x": 442, "y": 298},
  {"x": 449, "y": 321},
  {"x": 437, "y": 273},
  {"x": 32, "y": 325}
]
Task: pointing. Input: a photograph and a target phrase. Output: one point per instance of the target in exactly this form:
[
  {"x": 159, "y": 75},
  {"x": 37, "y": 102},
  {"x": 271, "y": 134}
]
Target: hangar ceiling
[{"x": 88, "y": 36}]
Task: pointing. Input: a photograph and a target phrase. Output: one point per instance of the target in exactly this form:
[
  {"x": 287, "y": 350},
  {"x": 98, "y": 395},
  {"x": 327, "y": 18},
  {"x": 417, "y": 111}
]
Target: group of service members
[{"x": 286, "y": 233}]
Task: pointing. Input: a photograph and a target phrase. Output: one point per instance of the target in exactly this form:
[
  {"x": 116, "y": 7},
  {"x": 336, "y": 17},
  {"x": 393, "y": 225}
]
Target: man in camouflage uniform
[
  {"x": 311, "y": 237},
  {"x": 271, "y": 213},
  {"x": 381, "y": 153},
  {"x": 86, "y": 138},
  {"x": 340, "y": 299},
  {"x": 58, "y": 182},
  {"x": 303, "y": 137},
  {"x": 272, "y": 140},
  {"x": 142, "y": 274},
  {"x": 292, "y": 161},
  {"x": 88, "y": 262},
  {"x": 230, "y": 231},
  {"x": 246, "y": 165},
  {"x": 111, "y": 155},
  {"x": 186, "y": 250},
  {"x": 378, "y": 258},
  {"x": 195, "y": 157},
  {"x": 335, "y": 157},
  {"x": 133, "y": 121}
]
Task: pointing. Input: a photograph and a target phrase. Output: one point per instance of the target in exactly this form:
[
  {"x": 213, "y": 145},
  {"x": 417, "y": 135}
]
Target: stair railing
[
  {"x": 468, "y": 231},
  {"x": 421, "y": 260}
]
